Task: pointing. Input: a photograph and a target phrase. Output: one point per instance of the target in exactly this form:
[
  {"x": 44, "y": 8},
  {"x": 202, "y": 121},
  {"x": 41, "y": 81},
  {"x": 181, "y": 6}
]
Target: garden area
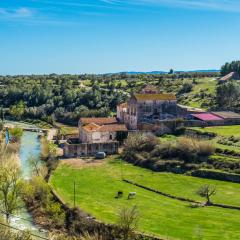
[{"x": 98, "y": 184}]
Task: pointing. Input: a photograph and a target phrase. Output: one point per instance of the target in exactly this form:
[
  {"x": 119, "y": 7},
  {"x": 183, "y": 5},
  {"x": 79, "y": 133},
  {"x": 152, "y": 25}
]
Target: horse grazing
[
  {"x": 119, "y": 194},
  {"x": 132, "y": 195}
]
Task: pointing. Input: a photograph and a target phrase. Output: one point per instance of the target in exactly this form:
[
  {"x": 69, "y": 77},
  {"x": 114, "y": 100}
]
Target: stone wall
[{"x": 89, "y": 149}]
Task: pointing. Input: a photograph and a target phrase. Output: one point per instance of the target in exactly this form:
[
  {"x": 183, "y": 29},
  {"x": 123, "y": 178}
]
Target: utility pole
[
  {"x": 121, "y": 169},
  {"x": 74, "y": 194}
]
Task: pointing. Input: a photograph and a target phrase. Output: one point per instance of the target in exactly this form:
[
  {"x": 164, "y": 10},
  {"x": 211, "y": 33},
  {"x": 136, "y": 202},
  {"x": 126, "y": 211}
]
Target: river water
[{"x": 29, "y": 147}]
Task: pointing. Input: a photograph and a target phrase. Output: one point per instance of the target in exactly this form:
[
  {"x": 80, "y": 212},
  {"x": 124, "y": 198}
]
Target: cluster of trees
[
  {"x": 65, "y": 98},
  {"x": 228, "y": 96},
  {"x": 234, "y": 66}
]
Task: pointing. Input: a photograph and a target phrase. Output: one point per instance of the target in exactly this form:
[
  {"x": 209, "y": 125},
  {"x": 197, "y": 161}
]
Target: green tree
[
  {"x": 18, "y": 110},
  {"x": 10, "y": 185},
  {"x": 207, "y": 191},
  {"x": 234, "y": 66}
]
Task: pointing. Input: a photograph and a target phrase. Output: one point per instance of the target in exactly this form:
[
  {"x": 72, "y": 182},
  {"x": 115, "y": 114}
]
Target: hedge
[{"x": 217, "y": 175}]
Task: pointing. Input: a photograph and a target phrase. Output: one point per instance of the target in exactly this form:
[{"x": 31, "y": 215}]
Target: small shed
[
  {"x": 209, "y": 118},
  {"x": 230, "y": 76},
  {"x": 230, "y": 118}
]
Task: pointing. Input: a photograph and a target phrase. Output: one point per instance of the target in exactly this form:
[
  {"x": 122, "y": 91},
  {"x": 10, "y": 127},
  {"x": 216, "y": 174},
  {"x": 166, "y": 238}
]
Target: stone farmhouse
[
  {"x": 148, "y": 107},
  {"x": 96, "y": 135},
  {"x": 100, "y": 130}
]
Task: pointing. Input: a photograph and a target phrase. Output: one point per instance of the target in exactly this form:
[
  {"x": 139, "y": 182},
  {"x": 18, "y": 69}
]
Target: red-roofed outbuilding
[{"x": 209, "y": 118}]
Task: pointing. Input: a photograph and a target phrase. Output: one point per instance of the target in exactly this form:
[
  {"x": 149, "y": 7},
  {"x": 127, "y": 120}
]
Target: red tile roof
[
  {"x": 113, "y": 128},
  {"x": 98, "y": 121},
  {"x": 207, "y": 117},
  {"x": 92, "y": 127},
  {"x": 231, "y": 75}
]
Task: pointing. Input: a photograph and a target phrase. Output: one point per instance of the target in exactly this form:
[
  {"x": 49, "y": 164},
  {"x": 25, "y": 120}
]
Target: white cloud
[{"x": 21, "y": 12}]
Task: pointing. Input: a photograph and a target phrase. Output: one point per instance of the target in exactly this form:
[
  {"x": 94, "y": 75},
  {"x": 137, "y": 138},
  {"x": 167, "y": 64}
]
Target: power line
[{"x": 17, "y": 229}]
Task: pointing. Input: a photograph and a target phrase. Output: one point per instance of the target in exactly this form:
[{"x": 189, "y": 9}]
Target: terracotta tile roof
[
  {"x": 206, "y": 117},
  {"x": 227, "y": 115},
  {"x": 99, "y": 121},
  {"x": 155, "y": 97},
  {"x": 91, "y": 127},
  {"x": 113, "y": 128},
  {"x": 231, "y": 75}
]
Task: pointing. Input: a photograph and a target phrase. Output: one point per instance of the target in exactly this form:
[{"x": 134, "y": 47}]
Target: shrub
[
  {"x": 56, "y": 213},
  {"x": 140, "y": 142},
  {"x": 16, "y": 134}
]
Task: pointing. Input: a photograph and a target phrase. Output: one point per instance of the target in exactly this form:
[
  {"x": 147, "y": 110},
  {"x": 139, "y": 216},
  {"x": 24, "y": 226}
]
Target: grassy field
[
  {"x": 225, "y": 131},
  {"x": 162, "y": 216}
]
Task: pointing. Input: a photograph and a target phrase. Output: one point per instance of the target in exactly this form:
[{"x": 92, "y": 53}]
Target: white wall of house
[{"x": 90, "y": 137}]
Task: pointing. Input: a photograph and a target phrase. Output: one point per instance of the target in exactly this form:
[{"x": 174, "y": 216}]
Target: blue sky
[{"x": 99, "y": 36}]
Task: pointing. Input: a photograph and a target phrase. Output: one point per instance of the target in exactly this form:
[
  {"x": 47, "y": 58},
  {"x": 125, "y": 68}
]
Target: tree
[
  {"x": 10, "y": 185},
  {"x": 207, "y": 191},
  {"x": 234, "y": 66},
  {"x": 7, "y": 234},
  {"x": 38, "y": 168},
  {"x": 228, "y": 96},
  {"x": 171, "y": 71},
  {"x": 17, "y": 111},
  {"x": 128, "y": 221}
]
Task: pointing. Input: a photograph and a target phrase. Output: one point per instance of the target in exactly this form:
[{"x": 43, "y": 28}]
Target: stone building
[
  {"x": 96, "y": 135},
  {"x": 93, "y": 133},
  {"x": 149, "y": 106}
]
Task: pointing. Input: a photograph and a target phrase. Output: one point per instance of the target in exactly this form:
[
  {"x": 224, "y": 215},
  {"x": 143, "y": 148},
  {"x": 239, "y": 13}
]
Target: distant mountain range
[{"x": 164, "y": 72}]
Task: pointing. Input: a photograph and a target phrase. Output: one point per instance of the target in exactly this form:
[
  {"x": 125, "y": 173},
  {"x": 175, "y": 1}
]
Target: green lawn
[
  {"x": 225, "y": 131},
  {"x": 159, "y": 215}
]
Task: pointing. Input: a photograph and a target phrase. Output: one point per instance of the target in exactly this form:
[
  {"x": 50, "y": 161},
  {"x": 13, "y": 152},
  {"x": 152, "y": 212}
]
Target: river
[{"x": 29, "y": 147}]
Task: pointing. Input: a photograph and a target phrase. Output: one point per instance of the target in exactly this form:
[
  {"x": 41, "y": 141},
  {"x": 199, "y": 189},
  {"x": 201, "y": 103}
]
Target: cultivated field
[{"x": 97, "y": 185}]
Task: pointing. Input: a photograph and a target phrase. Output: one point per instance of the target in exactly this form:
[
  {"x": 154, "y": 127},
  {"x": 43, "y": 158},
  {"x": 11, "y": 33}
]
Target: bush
[
  {"x": 56, "y": 213},
  {"x": 16, "y": 134},
  {"x": 217, "y": 175},
  {"x": 140, "y": 142}
]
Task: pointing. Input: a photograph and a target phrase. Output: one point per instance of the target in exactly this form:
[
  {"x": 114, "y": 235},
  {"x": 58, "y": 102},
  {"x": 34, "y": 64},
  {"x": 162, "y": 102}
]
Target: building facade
[
  {"x": 96, "y": 135},
  {"x": 149, "y": 106}
]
